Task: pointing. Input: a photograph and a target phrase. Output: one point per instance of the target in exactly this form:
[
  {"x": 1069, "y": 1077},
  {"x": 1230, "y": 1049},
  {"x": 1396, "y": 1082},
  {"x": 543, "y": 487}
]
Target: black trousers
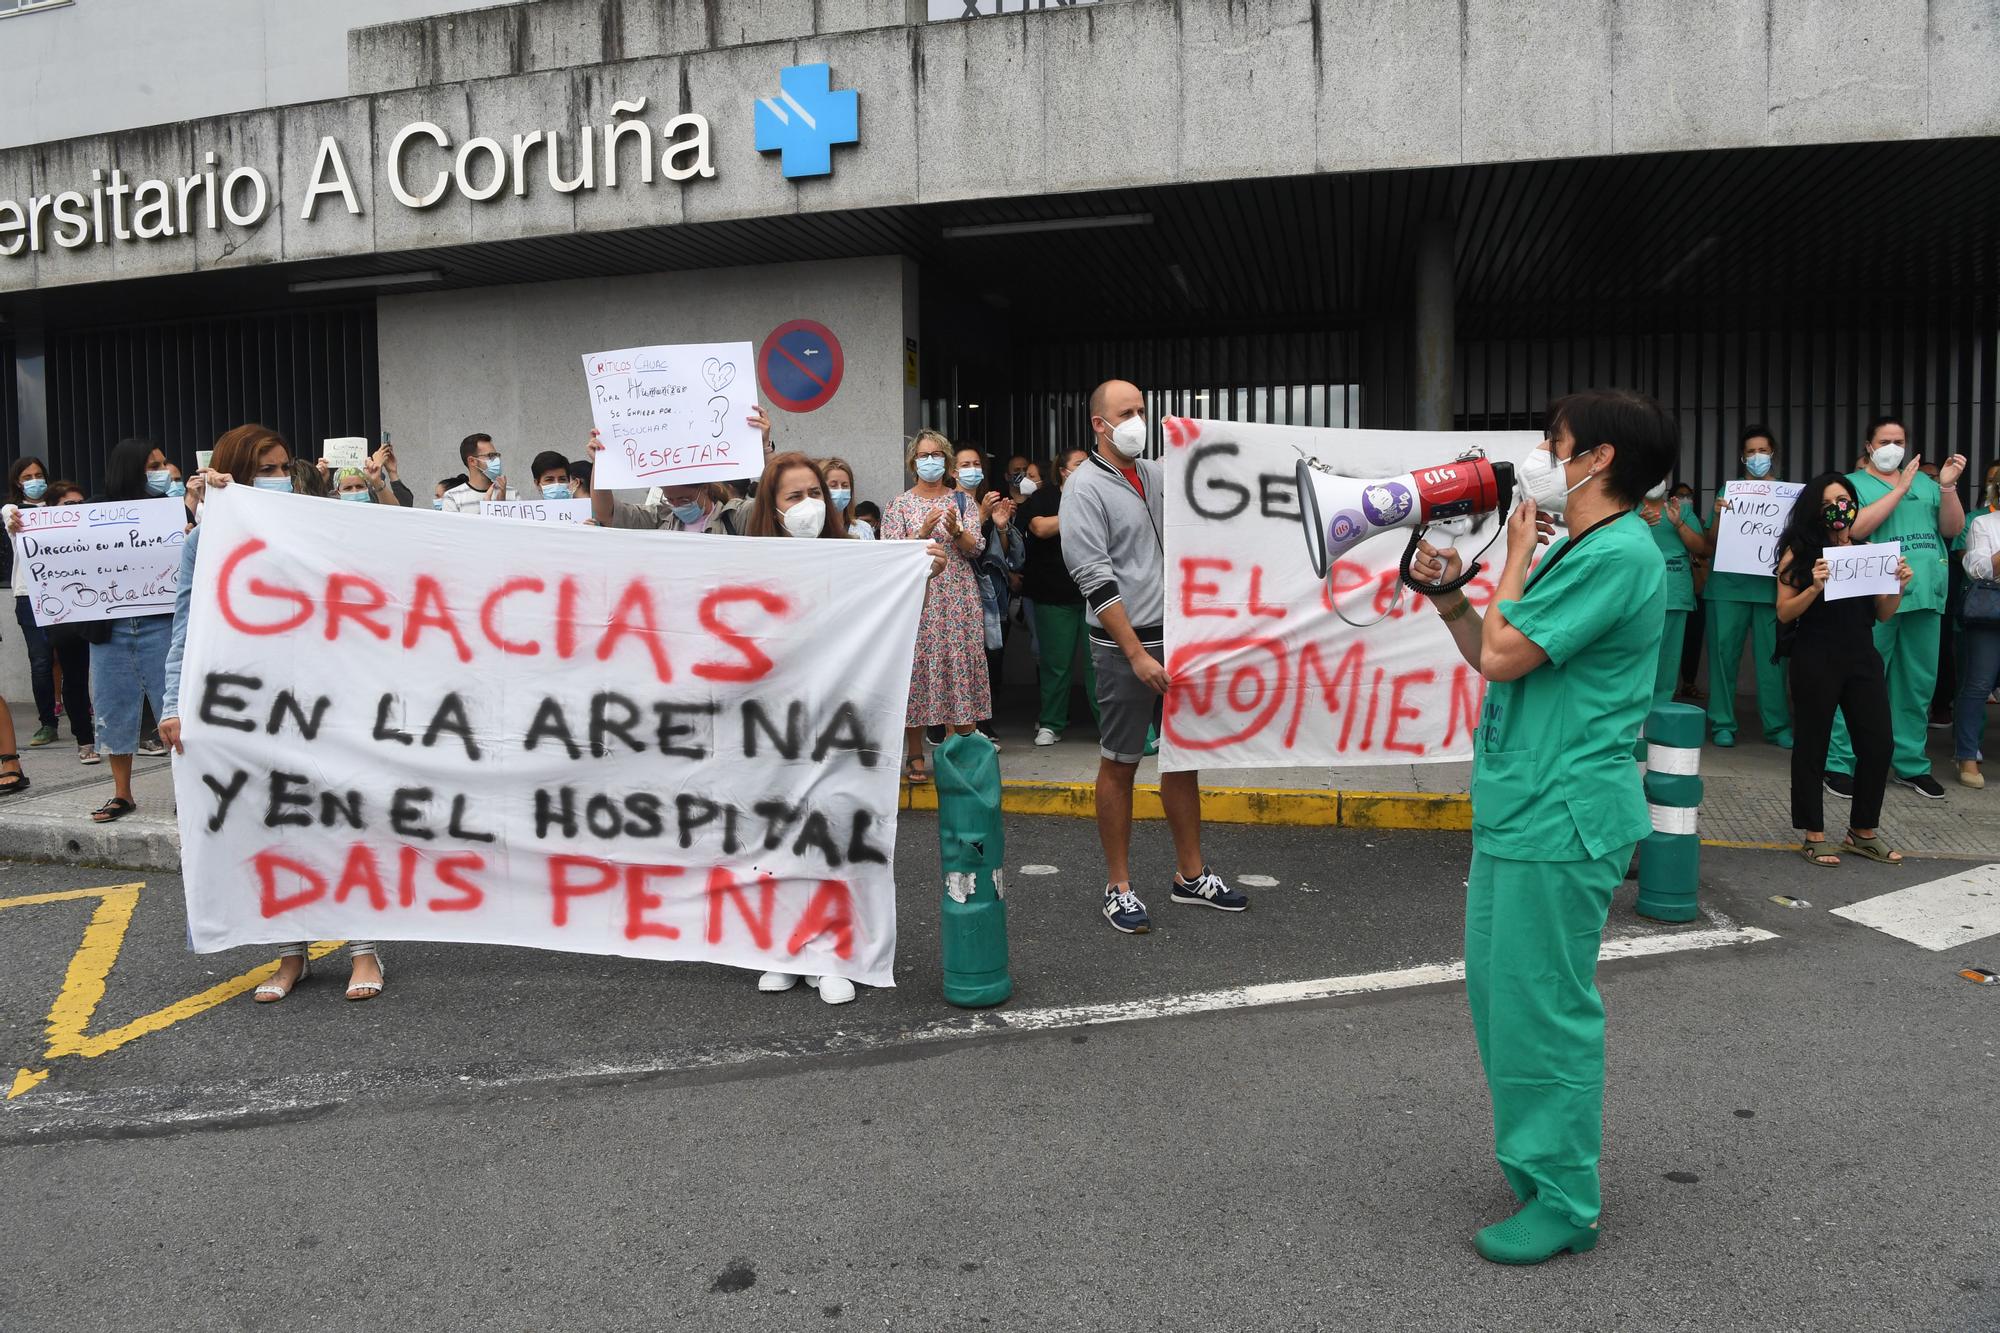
[{"x": 1852, "y": 682}]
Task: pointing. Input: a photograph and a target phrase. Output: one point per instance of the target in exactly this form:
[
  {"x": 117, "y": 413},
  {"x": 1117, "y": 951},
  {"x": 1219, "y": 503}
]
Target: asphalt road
[{"x": 1801, "y": 1130}]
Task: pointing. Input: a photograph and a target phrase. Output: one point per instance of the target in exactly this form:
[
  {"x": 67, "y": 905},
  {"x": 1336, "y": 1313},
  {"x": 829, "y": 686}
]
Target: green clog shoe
[
  {"x": 1534, "y": 1235},
  {"x": 1726, "y": 739}
]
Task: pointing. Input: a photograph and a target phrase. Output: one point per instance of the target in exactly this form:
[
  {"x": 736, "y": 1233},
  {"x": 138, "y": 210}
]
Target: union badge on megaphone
[{"x": 1340, "y": 513}]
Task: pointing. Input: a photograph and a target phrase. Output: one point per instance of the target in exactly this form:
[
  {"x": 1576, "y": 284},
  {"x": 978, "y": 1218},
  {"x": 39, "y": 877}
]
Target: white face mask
[
  {"x": 807, "y": 518},
  {"x": 1659, "y": 492},
  {"x": 1128, "y": 437},
  {"x": 1542, "y": 475},
  {"x": 1887, "y": 458},
  {"x": 1028, "y": 487}
]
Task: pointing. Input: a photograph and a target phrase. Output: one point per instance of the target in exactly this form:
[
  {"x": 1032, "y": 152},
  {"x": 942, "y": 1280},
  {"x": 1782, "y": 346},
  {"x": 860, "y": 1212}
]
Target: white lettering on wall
[{"x": 422, "y": 166}]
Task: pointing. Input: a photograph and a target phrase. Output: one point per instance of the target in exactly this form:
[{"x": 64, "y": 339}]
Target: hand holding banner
[
  {"x": 401, "y": 730},
  {"x": 1747, "y": 531},
  {"x": 104, "y": 561},
  {"x": 1864, "y": 571},
  {"x": 674, "y": 416}
]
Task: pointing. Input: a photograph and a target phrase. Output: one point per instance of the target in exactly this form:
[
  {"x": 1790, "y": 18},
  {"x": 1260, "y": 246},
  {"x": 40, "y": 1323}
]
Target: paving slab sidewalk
[{"x": 1747, "y": 798}]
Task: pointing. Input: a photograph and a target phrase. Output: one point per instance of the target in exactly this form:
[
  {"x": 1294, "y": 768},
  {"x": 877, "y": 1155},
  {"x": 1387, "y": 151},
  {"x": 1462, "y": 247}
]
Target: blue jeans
[
  {"x": 1976, "y": 680},
  {"x": 126, "y": 672},
  {"x": 41, "y": 668}
]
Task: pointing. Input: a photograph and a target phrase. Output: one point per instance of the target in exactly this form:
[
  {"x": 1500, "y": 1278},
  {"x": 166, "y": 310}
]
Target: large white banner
[
  {"x": 104, "y": 561},
  {"x": 402, "y": 726},
  {"x": 1265, "y": 673}
]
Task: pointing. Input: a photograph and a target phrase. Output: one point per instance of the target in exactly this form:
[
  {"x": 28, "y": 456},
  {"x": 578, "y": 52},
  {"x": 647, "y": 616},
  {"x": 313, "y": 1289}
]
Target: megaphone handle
[{"x": 1465, "y": 576}]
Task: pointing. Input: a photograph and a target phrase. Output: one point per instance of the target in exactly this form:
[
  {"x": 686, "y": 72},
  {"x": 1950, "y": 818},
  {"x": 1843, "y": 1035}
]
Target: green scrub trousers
[
  {"x": 1061, "y": 630},
  {"x": 1669, "y": 674},
  {"x": 1532, "y": 932},
  {"x": 1729, "y": 623},
  {"x": 1908, "y": 643}
]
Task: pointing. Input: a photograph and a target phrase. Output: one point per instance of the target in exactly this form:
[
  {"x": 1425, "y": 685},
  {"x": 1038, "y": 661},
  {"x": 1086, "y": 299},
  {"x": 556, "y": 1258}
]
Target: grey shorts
[{"x": 1126, "y": 708}]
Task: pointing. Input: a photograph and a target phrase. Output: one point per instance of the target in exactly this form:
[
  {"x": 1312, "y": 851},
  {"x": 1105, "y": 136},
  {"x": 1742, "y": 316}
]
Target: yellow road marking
[{"x": 83, "y": 986}]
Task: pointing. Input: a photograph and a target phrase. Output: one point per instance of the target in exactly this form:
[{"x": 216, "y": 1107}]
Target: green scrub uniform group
[
  {"x": 1557, "y": 808},
  {"x": 1680, "y": 592}
]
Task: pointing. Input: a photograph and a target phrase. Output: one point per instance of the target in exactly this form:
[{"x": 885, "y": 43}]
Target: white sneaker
[
  {"x": 773, "y": 982},
  {"x": 1043, "y": 736},
  {"x": 834, "y": 990}
]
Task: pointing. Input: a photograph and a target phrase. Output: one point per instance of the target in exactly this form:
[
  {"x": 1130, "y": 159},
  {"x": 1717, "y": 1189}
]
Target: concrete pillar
[{"x": 1436, "y": 292}]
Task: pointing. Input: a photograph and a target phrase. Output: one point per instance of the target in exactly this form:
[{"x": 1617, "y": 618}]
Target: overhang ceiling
[{"x": 1890, "y": 219}]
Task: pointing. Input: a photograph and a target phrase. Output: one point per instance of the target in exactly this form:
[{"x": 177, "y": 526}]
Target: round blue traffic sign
[{"x": 800, "y": 366}]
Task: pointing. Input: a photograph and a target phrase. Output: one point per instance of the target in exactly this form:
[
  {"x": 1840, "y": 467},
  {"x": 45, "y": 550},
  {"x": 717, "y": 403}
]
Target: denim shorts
[{"x": 128, "y": 670}]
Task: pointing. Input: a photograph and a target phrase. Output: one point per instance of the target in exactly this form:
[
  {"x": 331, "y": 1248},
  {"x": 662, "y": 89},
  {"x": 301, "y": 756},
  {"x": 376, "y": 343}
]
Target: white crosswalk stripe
[{"x": 1942, "y": 914}]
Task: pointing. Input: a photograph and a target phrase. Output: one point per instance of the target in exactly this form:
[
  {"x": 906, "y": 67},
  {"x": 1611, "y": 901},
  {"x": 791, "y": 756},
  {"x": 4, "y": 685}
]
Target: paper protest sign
[
  {"x": 674, "y": 416},
  {"x": 101, "y": 561},
  {"x": 650, "y": 744},
  {"x": 201, "y": 457},
  {"x": 1746, "y": 533},
  {"x": 1265, "y": 674},
  {"x": 346, "y": 451},
  {"x": 537, "y": 511},
  {"x": 1863, "y": 571}
]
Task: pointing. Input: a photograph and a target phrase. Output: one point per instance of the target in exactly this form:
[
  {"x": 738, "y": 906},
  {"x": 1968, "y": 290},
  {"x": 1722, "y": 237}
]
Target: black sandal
[
  {"x": 16, "y": 781},
  {"x": 115, "y": 808}
]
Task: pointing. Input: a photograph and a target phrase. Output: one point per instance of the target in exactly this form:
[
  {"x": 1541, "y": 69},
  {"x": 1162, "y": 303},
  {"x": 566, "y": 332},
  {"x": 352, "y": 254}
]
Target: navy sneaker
[
  {"x": 1208, "y": 890},
  {"x": 1125, "y": 912},
  {"x": 1840, "y": 784}
]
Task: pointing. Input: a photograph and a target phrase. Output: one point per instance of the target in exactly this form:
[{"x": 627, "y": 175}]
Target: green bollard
[
  {"x": 1670, "y": 857},
  {"x": 973, "y": 848}
]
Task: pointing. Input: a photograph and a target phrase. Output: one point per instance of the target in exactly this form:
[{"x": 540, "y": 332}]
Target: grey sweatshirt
[{"x": 1112, "y": 542}]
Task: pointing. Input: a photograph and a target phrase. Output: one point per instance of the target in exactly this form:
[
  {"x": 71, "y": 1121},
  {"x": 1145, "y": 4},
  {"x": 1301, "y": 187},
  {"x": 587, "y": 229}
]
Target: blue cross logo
[{"x": 806, "y": 119}]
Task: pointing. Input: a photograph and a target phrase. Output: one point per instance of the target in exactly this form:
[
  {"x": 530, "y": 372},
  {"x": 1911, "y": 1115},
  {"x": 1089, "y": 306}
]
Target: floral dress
[{"x": 948, "y": 673}]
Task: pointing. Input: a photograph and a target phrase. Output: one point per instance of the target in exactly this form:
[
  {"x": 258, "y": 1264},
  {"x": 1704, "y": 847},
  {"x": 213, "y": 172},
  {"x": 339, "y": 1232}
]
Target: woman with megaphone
[{"x": 1568, "y": 649}]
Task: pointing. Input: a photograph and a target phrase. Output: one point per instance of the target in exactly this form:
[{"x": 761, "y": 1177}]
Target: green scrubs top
[
  {"x": 1552, "y": 775},
  {"x": 1731, "y": 587},
  {"x": 1680, "y": 573},
  {"x": 1914, "y": 523}
]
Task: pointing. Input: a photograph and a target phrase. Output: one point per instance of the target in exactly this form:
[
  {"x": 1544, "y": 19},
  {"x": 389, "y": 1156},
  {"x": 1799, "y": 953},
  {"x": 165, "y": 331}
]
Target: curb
[
  {"x": 1450, "y": 811},
  {"x": 69, "y": 840}
]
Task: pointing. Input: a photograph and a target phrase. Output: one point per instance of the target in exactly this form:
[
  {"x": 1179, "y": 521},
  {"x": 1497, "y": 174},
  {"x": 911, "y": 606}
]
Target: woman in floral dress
[{"x": 948, "y": 675}]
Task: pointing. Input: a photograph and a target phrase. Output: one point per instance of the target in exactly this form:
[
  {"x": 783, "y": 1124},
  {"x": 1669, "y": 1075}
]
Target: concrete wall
[
  {"x": 507, "y": 360},
  {"x": 103, "y": 65},
  {"x": 1145, "y": 91}
]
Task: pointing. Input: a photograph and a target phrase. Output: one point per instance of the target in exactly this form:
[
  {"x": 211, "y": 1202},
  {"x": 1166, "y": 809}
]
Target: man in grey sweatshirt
[{"x": 1115, "y": 549}]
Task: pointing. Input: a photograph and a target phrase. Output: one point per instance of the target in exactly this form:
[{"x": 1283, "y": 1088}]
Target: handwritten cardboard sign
[
  {"x": 674, "y": 416},
  {"x": 537, "y": 511},
  {"x": 346, "y": 451},
  {"x": 101, "y": 561},
  {"x": 1863, "y": 571},
  {"x": 640, "y": 743},
  {"x": 1265, "y": 674},
  {"x": 1747, "y": 532}
]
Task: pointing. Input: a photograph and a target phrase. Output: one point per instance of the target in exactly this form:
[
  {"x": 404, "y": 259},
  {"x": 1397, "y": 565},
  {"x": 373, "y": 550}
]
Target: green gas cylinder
[{"x": 972, "y": 847}]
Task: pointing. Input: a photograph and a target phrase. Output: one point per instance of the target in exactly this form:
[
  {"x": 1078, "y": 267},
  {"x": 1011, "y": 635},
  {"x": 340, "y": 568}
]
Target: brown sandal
[{"x": 1873, "y": 848}]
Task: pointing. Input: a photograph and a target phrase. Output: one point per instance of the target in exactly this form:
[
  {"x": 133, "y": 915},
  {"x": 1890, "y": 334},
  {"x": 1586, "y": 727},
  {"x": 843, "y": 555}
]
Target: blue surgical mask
[
  {"x": 357, "y": 497},
  {"x": 272, "y": 484},
  {"x": 35, "y": 488},
  {"x": 970, "y": 477},
  {"x": 930, "y": 468},
  {"x": 437, "y": 502},
  {"x": 555, "y": 491},
  {"x": 490, "y": 465},
  {"x": 691, "y": 512},
  {"x": 157, "y": 482},
  {"x": 177, "y": 489},
  {"x": 1758, "y": 465},
  {"x": 840, "y": 496}
]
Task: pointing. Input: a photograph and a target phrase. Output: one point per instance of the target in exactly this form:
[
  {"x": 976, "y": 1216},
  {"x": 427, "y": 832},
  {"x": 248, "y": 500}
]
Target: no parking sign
[{"x": 800, "y": 366}]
